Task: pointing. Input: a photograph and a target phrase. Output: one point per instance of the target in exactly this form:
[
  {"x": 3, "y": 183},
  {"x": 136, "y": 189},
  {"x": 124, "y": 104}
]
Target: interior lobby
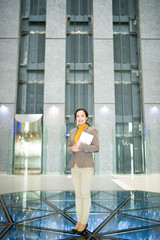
[{"x": 60, "y": 55}]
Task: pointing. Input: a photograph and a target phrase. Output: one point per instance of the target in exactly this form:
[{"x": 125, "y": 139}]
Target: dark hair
[{"x": 84, "y": 110}]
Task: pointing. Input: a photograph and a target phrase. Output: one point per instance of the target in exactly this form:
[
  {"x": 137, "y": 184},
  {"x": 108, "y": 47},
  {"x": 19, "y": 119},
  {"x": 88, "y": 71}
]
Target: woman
[{"x": 81, "y": 164}]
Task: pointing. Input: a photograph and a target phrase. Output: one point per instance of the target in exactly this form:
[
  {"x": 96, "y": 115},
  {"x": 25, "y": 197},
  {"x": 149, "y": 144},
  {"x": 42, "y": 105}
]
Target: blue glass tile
[
  {"x": 56, "y": 221},
  {"x": 120, "y": 194},
  {"x": 2, "y": 227},
  {"x": 14, "y": 198},
  {"x": 35, "y": 234},
  {"x": 152, "y": 213},
  {"x": 56, "y": 195},
  {"x": 121, "y": 222},
  {"x": 148, "y": 197},
  {"x": 46, "y": 194},
  {"x": 155, "y": 200},
  {"x": 38, "y": 204},
  {"x": 62, "y": 195},
  {"x": 2, "y": 215},
  {"x": 71, "y": 210},
  {"x": 131, "y": 204},
  {"x": 143, "y": 234},
  {"x": 93, "y": 193},
  {"x": 19, "y": 214},
  {"x": 110, "y": 204},
  {"x": 104, "y": 196},
  {"x": 140, "y": 195},
  {"x": 110, "y": 195},
  {"x": 94, "y": 209},
  {"x": 62, "y": 204},
  {"x": 94, "y": 219}
]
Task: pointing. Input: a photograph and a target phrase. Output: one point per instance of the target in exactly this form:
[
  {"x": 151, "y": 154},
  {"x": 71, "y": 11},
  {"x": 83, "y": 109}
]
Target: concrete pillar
[
  {"x": 104, "y": 99},
  {"x": 9, "y": 58},
  {"x": 54, "y": 88},
  {"x": 149, "y": 27}
]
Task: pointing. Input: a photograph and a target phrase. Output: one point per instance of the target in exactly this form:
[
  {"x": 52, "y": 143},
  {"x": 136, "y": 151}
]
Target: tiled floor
[{"x": 115, "y": 214}]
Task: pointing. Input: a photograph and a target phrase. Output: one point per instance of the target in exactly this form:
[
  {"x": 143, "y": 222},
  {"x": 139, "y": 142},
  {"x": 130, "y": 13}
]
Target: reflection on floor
[{"x": 51, "y": 215}]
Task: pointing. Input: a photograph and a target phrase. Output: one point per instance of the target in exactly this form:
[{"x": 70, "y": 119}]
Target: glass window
[
  {"x": 79, "y": 74},
  {"x": 129, "y": 138},
  {"x": 32, "y": 55}
]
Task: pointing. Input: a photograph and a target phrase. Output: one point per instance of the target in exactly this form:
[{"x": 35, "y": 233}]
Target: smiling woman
[
  {"x": 81, "y": 164},
  {"x": 81, "y": 116}
]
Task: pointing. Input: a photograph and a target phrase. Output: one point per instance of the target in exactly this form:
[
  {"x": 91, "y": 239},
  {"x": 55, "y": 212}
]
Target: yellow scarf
[{"x": 79, "y": 131}]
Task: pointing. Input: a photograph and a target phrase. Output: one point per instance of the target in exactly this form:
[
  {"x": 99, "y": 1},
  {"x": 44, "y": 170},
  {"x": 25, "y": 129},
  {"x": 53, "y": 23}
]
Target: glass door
[{"x": 28, "y": 144}]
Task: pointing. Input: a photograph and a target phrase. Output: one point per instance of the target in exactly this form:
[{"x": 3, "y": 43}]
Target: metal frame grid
[
  {"x": 128, "y": 91},
  {"x": 52, "y": 215}
]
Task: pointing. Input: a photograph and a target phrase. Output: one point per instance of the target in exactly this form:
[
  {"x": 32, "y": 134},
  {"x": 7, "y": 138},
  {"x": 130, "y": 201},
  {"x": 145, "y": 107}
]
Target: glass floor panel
[
  {"x": 33, "y": 205},
  {"x": 131, "y": 204},
  {"x": 109, "y": 204},
  {"x": 21, "y": 214},
  {"x": 148, "y": 197},
  {"x": 150, "y": 214},
  {"x": 52, "y": 215},
  {"x": 94, "y": 209},
  {"x": 147, "y": 234},
  {"x": 120, "y": 222},
  {"x": 2, "y": 227},
  {"x": 18, "y": 232},
  {"x": 62, "y": 204},
  {"x": 2, "y": 216},
  {"x": 14, "y": 198}
]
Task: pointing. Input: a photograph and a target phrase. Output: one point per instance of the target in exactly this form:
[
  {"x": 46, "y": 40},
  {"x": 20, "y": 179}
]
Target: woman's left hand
[{"x": 78, "y": 143}]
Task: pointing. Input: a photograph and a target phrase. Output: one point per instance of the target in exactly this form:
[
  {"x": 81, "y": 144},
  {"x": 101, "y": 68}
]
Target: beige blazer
[{"x": 84, "y": 157}]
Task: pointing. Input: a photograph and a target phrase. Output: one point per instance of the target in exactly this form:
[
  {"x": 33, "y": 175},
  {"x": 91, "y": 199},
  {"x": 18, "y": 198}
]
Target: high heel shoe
[
  {"x": 74, "y": 230},
  {"x": 82, "y": 232}
]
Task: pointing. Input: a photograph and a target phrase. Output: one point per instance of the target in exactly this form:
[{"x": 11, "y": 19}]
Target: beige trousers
[{"x": 82, "y": 184}]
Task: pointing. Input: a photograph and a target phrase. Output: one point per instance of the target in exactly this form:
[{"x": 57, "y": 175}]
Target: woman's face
[{"x": 81, "y": 117}]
